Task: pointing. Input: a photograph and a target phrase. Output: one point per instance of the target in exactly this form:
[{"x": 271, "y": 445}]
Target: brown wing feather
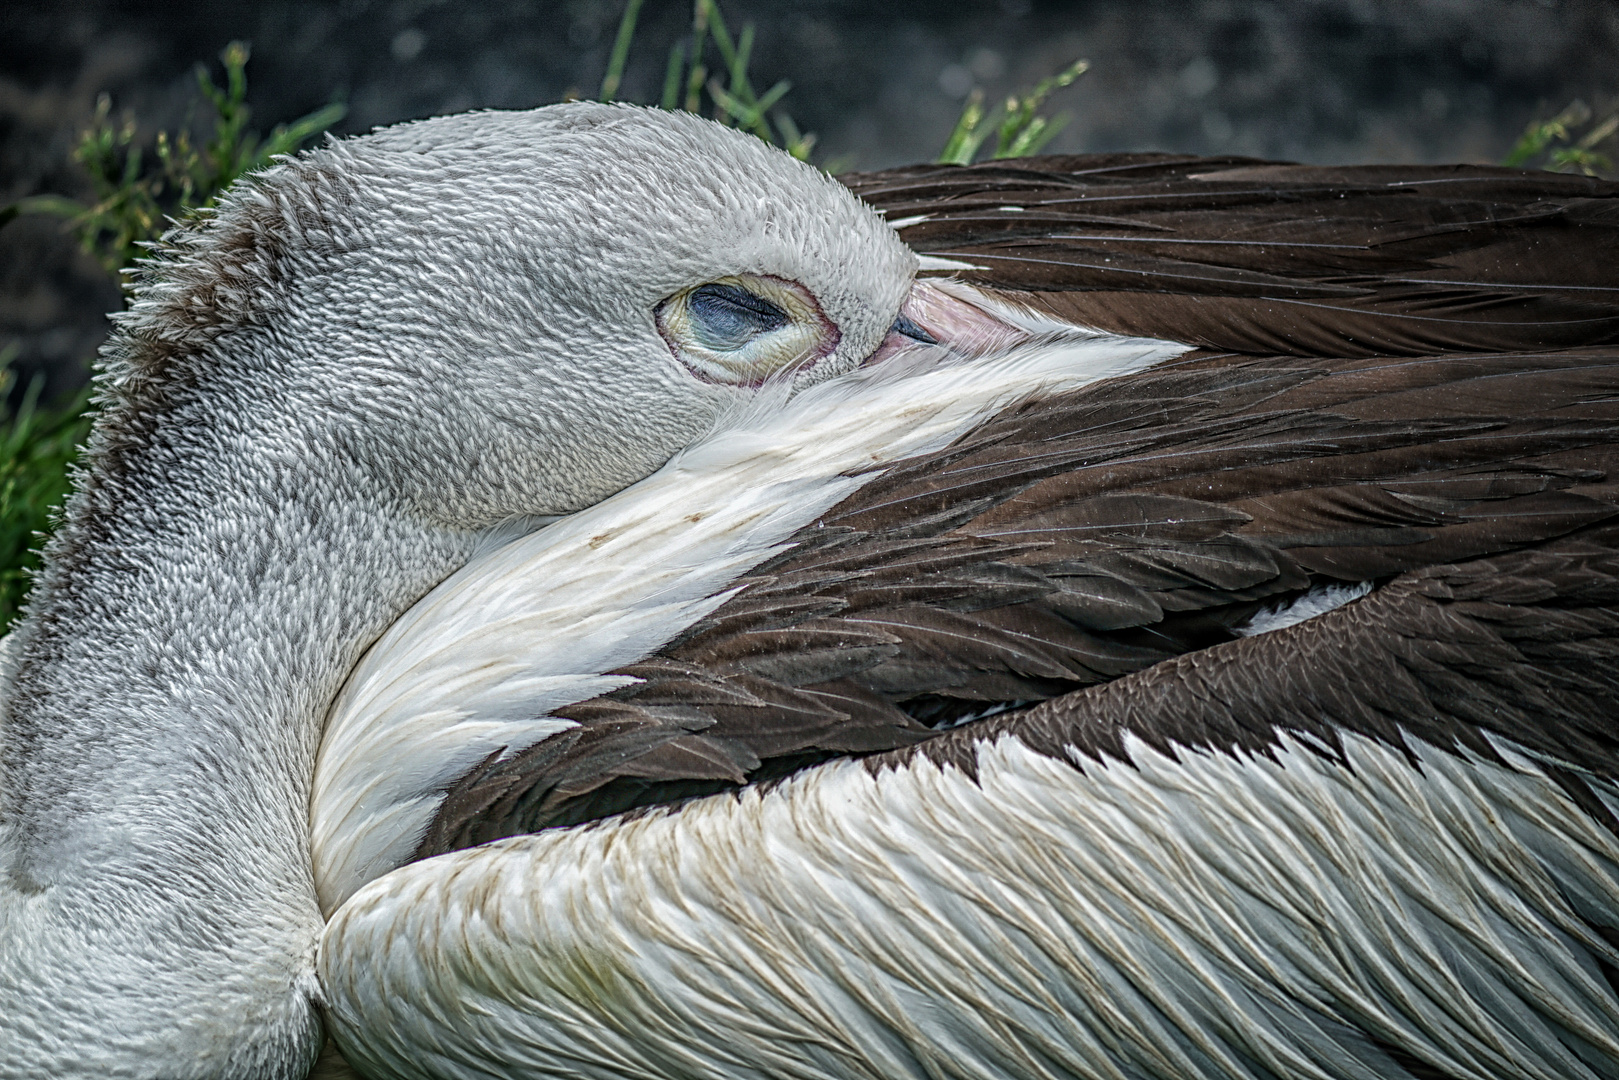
[
  {"x": 1257, "y": 257},
  {"x": 1087, "y": 539},
  {"x": 1521, "y": 645},
  {"x": 1113, "y": 538}
]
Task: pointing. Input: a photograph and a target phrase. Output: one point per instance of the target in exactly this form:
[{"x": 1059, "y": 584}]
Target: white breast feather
[
  {"x": 1316, "y": 600},
  {"x": 1215, "y": 916},
  {"x": 476, "y": 666}
]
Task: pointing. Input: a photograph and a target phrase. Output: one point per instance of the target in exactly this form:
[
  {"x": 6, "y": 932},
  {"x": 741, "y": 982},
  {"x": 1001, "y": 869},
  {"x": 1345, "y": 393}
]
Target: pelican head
[
  {"x": 323, "y": 398},
  {"x": 518, "y": 313}
]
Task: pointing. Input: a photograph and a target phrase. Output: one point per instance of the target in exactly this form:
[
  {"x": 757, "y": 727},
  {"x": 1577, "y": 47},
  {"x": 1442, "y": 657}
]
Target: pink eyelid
[{"x": 957, "y": 325}]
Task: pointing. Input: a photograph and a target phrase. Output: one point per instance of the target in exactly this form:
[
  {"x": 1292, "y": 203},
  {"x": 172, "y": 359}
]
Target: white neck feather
[
  {"x": 322, "y": 392},
  {"x": 167, "y": 689}
]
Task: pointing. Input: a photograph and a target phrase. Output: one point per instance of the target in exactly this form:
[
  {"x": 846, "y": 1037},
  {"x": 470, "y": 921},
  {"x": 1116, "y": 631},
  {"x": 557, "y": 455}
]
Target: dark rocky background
[{"x": 881, "y": 83}]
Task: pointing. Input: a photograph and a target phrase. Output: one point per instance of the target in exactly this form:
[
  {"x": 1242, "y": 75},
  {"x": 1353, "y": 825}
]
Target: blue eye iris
[{"x": 724, "y": 317}]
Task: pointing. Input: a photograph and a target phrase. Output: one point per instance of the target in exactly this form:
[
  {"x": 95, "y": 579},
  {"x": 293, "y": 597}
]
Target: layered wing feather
[
  {"x": 1232, "y": 253},
  {"x": 1378, "y": 842},
  {"x": 1509, "y": 657},
  {"x": 1086, "y": 537}
]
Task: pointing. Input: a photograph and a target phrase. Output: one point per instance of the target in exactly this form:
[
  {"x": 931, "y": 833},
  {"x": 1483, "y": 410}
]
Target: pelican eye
[
  {"x": 744, "y": 329},
  {"x": 726, "y": 317}
]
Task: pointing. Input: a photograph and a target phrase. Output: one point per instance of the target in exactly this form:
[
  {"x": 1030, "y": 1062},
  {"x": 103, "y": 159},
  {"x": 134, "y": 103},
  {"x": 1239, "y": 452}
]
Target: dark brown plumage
[
  {"x": 1250, "y": 256},
  {"x": 1409, "y": 377}
]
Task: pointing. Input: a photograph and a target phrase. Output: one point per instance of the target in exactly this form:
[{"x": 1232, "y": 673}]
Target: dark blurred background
[{"x": 881, "y": 83}]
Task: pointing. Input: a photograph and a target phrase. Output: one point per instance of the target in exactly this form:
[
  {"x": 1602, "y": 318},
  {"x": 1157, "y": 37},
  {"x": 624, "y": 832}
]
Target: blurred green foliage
[
  {"x": 37, "y": 446},
  {"x": 707, "y": 73},
  {"x": 1567, "y": 142},
  {"x": 1019, "y": 128},
  {"x": 136, "y": 198},
  {"x": 732, "y": 100}
]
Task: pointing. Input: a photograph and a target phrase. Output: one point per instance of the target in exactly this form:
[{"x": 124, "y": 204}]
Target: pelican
[{"x": 578, "y": 593}]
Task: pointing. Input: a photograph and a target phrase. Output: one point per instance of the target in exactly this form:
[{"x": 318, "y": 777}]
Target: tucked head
[
  {"x": 583, "y": 286},
  {"x": 320, "y": 397}
]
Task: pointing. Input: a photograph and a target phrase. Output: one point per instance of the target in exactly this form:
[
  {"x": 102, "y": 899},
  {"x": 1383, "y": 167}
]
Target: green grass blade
[
  {"x": 1600, "y": 132},
  {"x": 57, "y": 205},
  {"x": 287, "y": 138},
  {"x": 1025, "y": 131},
  {"x": 699, "y": 38},
  {"x": 1019, "y": 114},
  {"x": 960, "y": 147},
  {"x": 671, "y": 76},
  {"x": 746, "y": 115},
  {"x": 621, "y": 50},
  {"x": 1034, "y": 140},
  {"x": 795, "y": 142},
  {"x": 773, "y": 95},
  {"x": 739, "y": 66},
  {"x": 722, "y": 36}
]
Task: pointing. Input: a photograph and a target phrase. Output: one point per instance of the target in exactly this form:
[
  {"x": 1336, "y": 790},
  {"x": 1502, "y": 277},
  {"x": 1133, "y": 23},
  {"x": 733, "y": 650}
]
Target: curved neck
[{"x": 167, "y": 690}]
